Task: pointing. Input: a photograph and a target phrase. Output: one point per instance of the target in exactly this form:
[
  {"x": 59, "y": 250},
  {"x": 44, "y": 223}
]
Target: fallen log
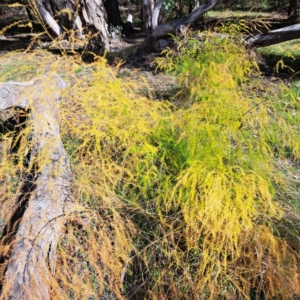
[
  {"x": 162, "y": 33},
  {"x": 273, "y": 37},
  {"x": 166, "y": 30},
  {"x": 28, "y": 243}
]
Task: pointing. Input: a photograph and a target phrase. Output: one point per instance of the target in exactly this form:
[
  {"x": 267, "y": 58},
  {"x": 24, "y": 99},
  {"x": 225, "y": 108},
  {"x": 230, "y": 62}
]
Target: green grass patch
[
  {"x": 289, "y": 49},
  {"x": 283, "y": 57},
  {"x": 236, "y": 14},
  {"x": 17, "y": 69}
]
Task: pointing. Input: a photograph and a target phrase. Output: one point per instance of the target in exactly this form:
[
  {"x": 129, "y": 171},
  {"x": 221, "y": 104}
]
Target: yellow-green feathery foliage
[
  {"x": 174, "y": 200},
  {"x": 101, "y": 118},
  {"x": 218, "y": 154},
  {"x": 105, "y": 129}
]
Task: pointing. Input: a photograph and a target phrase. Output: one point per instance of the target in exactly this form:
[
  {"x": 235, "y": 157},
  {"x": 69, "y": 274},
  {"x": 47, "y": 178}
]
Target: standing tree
[
  {"x": 294, "y": 9},
  {"x": 146, "y": 11},
  {"x": 113, "y": 12},
  {"x": 156, "y": 12},
  {"x": 85, "y": 15}
]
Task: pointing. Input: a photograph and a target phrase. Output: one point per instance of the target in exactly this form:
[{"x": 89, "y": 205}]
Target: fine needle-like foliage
[
  {"x": 174, "y": 200},
  {"x": 221, "y": 151}
]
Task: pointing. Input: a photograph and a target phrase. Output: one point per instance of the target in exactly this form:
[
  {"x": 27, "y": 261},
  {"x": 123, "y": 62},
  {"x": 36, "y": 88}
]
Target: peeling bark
[
  {"x": 87, "y": 15},
  {"x": 48, "y": 19},
  {"x": 93, "y": 17},
  {"x": 28, "y": 244}
]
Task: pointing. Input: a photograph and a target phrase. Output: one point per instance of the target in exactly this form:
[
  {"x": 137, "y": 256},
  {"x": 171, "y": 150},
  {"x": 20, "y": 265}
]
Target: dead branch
[{"x": 274, "y": 36}]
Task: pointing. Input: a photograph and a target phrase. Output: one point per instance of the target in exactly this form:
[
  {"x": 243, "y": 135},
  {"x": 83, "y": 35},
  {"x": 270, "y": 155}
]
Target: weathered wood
[
  {"x": 47, "y": 187},
  {"x": 128, "y": 29},
  {"x": 85, "y": 13},
  {"x": 261, "y": 40},
  {"x": 202, "y": 9},
  {"x": 274, "y": 36},
  {"x": 93, "y": 13},
  {"x": 47, "y": 18},
  {"x": 165, "y": 30},
  {"x": 163, "y": 44}
]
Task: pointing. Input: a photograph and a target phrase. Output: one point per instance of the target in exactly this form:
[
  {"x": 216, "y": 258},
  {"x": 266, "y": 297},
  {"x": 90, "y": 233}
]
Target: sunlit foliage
[
  {"x": 221, "y": 149},
  {"x": 173, "y": 199}
]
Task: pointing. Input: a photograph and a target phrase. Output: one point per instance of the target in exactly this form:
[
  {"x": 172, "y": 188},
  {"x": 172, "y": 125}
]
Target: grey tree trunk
[
  {"x": 200, "y": 10},
  {"x": 147, "y": 8},
  {"x": 28, "y": 244},
  {"x": 274, "y": 36},
  {"x": 261, "y": 40},
  {"x": 155, "y": 13}
]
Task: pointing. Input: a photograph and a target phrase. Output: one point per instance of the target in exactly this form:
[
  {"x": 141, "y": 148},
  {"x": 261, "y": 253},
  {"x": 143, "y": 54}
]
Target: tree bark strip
[
  {"x": 47, "y": 190},
  {"x": 93, "y": 15},
  {"x": 47, "y": 18}
]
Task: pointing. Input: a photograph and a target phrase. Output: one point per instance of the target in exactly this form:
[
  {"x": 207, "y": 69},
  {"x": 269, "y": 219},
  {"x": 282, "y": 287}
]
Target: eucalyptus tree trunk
[
  {"x": 93, "y": 15},
  {"x": 113, "y": 12},
  {"x": 146, "y": 11},
  {"x": 156, "y": 12},
  {"x": 294, "y": 9},
  {"x": 88, "y": 14},
  {"x": 28, "y": 243}
]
